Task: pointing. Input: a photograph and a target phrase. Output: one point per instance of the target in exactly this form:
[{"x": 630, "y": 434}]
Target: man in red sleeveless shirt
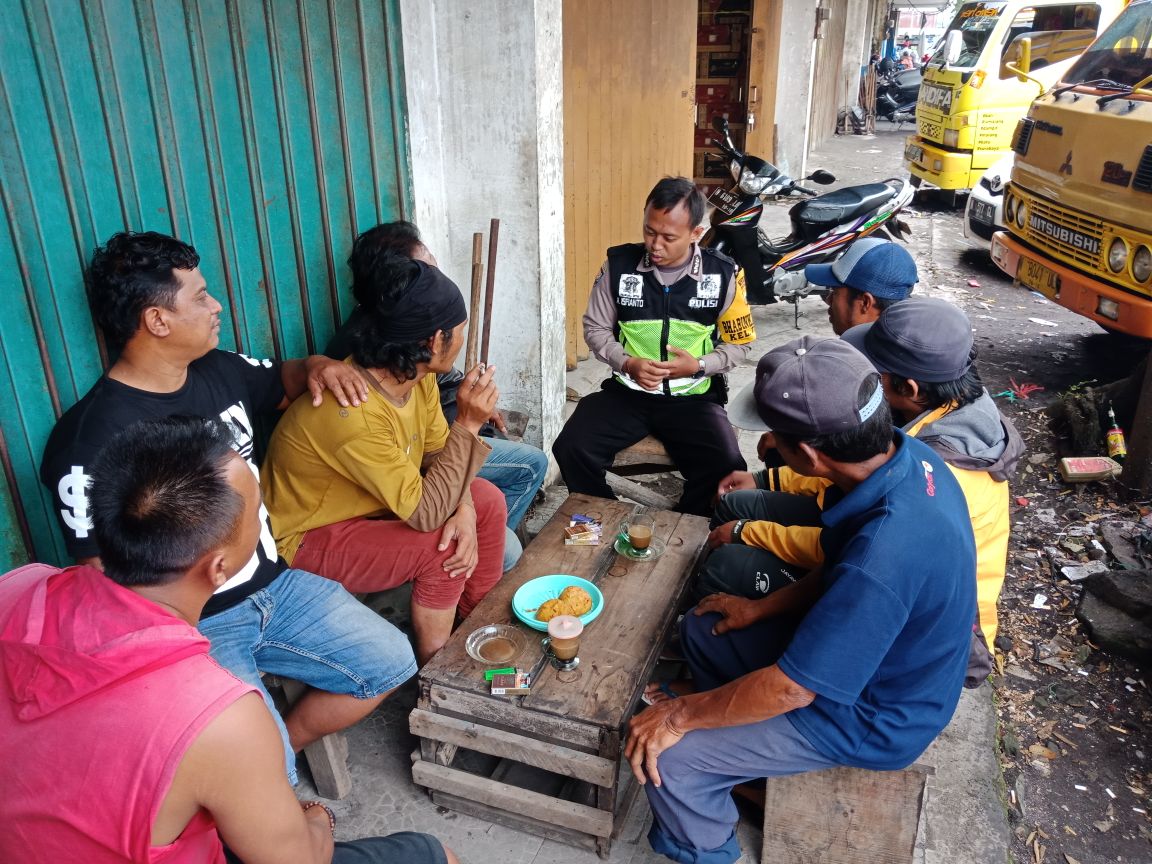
[{"x": 122, "y": 740}]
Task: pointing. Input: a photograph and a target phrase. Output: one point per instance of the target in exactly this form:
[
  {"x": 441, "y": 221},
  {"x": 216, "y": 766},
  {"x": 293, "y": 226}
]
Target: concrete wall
[
  {"x": 484, "y": 91},
  {"x": 794, "y": 85}
]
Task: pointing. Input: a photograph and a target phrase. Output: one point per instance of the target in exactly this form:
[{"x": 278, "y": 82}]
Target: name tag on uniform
[{"x": 630, "y": 290}]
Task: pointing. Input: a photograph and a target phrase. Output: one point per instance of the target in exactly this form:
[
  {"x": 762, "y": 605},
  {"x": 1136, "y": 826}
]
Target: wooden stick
[
  {"x": 493, "y": 240},
  {"x": 474, "y": 306}
]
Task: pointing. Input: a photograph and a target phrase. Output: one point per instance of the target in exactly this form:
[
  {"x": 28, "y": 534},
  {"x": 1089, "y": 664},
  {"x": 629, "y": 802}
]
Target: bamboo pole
[
  {"x": 489, "y": 289},
  {"x": 474, "y": 305}
]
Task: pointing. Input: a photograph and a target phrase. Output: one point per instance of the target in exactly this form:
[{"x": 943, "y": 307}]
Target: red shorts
[{"x": 377, "y": 554}]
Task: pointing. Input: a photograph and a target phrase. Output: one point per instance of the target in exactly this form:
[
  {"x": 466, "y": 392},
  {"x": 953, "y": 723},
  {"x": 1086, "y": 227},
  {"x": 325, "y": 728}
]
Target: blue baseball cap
[{"x": 879, "y": 267}]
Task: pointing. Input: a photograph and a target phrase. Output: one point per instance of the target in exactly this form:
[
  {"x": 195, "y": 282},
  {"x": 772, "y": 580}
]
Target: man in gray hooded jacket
[{"x": 923, "y": 348}]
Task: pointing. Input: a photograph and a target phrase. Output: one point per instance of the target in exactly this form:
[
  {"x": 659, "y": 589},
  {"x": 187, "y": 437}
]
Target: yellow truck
[
  {"x": 970, "y": 100},
  {"x": 1078, "y": 208}
]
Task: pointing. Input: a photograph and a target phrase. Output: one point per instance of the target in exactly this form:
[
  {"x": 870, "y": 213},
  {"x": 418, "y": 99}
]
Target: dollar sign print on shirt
[{"x": 73, "y": 492}]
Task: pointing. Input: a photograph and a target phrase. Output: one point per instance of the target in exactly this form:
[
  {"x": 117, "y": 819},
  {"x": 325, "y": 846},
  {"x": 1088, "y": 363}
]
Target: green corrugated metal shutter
[{"x": 264, "y": 133}]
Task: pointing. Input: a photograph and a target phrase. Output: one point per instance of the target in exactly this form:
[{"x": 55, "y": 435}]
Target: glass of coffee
[
  {"x": 563, "y": 642},
  {"x": 640, "y": 529}
]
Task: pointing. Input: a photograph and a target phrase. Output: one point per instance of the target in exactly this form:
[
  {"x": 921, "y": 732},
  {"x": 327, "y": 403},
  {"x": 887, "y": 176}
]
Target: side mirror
[
  {"x": 822, "y": 177},
  {"x": 953, "y": 46}
]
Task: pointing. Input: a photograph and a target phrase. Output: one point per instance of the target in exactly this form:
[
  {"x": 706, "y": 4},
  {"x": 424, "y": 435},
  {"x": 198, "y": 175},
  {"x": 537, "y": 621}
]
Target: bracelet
[
  {"x": 738, "y": 529},
  {"x": 308, "y": 805}
]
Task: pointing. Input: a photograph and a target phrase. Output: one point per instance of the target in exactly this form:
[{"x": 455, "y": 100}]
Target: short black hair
[
  {"x": 391, "y": 239},
  {"x": 881, "y": 303},
  {"x": 384, "y": 279},
  {"x": 160, "y": 498},
  {"x": 670, "y": 192},
  {"x": 962, "y": 391},
  {"x": 871, "y": 438},
  {"x": 130, "y": 273}
]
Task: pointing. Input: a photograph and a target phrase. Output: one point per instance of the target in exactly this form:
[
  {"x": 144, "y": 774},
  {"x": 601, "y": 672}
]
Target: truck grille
[
  {"x": 1143, "y": 178},
  {"x": 1023, "y": 135},
  {"x": 1066, "y": 233}
]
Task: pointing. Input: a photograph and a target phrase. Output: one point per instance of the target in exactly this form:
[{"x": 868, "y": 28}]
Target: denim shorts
[{"x": 311, "y": 630}]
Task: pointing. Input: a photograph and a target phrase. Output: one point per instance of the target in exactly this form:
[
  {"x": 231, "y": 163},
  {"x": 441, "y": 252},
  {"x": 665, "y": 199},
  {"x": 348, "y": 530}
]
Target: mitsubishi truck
[{"x": 1078, "y": 208}]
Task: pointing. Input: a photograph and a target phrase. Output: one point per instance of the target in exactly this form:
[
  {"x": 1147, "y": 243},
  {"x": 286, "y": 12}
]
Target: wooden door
[
  {"x": 763, "y": 69},
  {"x": 827, "y": 95},
  {"x": 629, "y": 101}
]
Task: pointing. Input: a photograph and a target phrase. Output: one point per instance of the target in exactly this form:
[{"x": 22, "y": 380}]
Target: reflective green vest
[{"x": 650, "y": 316}]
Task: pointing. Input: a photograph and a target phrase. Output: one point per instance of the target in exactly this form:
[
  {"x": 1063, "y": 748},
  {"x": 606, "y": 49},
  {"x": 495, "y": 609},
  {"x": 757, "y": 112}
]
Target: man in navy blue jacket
[{"x": 860, "y": 663}]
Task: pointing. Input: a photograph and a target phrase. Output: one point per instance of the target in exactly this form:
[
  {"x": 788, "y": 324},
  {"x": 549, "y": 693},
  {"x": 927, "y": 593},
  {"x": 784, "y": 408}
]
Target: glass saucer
[
  {"x": 495, "y": 645},
  {"x": 655, "y": 549}
]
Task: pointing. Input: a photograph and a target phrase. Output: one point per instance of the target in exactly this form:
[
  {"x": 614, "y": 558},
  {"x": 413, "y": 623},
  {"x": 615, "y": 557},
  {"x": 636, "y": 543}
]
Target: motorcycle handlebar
[{"x": 805, "y": 190}]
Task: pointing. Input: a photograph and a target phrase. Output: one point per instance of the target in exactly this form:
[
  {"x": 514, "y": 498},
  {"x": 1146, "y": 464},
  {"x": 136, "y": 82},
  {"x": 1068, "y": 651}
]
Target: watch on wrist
[
  {"x": 738, "y": 529},
  {"x": 699, "y": 373}
]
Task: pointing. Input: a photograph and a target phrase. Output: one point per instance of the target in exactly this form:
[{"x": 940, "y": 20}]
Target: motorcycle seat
[{"x": 842, "y": 204}]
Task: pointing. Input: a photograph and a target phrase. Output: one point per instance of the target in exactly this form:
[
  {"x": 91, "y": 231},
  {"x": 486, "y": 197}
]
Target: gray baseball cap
[
  {"x": 922, "y": 338},
  {"x": 811, "y": 386}
]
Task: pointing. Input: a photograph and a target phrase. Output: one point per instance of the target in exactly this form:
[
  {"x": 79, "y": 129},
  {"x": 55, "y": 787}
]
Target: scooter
[
  {"x": 822, "y": 226},
  {"x": 896, "y": 95}
]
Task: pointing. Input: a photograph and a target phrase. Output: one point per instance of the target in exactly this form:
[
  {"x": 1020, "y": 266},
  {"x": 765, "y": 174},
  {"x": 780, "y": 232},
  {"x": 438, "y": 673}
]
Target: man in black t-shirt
[{"x": 152, "y": 303}]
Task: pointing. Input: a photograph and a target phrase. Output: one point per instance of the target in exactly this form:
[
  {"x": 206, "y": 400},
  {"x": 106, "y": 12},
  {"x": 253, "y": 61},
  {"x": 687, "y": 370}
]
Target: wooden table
[{"x": 572, "y": 724}]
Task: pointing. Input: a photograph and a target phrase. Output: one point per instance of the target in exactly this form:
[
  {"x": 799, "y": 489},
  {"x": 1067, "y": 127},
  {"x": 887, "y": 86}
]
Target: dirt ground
[{"x": 1074, "y": 740}]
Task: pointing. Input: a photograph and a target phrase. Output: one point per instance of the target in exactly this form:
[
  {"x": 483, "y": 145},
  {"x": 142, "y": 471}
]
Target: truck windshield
[
  {"x": 1122, "y": 54},
  {"x": 975, "y": 22}
]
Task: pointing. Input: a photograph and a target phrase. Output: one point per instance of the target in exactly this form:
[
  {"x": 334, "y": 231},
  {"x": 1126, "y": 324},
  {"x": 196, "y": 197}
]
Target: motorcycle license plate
[
  {"x": 1034, "y": 275},
  {"x": 913, "y": 153},
  {"x": 724, "y": 201},
  {"x": 981, "y": 211}
]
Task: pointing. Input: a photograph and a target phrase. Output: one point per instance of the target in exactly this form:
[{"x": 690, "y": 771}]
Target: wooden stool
[
  {"x": 843, "y": 816},
  {"x": 646, "y": 456},
  {"x": 328, "y": 757}
]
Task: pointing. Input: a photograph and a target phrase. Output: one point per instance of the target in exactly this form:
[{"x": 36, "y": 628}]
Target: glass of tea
[{"x": 640, "y": 529}]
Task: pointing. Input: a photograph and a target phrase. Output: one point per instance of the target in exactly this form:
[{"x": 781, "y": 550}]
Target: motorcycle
[
  {"x": 822, "y": 225},
  {"x": 896, "y": 95}
]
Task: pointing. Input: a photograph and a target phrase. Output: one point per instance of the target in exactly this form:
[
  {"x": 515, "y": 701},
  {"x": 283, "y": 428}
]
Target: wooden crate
[{"x": 572, "y": 724}]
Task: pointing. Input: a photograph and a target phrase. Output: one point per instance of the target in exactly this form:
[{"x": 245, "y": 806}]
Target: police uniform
[{"x": 636, "y": 310}]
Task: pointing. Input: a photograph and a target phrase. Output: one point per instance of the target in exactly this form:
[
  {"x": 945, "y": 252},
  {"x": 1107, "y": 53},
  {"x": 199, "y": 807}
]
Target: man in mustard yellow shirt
[{"x": 386, "y": 492}]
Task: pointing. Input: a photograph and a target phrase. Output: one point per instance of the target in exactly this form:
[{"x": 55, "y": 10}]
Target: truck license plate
[
  {"x": 1034, "y": 275},
  {"x": 724, "y": 201},
  {"x": 913, "y": 153}
]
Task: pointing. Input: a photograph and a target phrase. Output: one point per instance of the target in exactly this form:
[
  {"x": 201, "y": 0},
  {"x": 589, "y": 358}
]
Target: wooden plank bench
[
  {"x": 328, "y": 757},
  {"x": 843, "y": 816},
  {"x": 557, "y": 750},
  {"x": 646, "y": 456}
]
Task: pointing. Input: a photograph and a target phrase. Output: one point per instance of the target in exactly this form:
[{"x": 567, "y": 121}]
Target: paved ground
[{"x": 964, "y": 821}]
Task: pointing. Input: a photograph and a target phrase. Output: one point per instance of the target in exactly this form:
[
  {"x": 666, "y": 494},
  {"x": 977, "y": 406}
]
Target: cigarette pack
[
  {"x": 1084, "y": 468},
  {"x": 582, "y": 531},
  {"x": 517, "y": 683}
]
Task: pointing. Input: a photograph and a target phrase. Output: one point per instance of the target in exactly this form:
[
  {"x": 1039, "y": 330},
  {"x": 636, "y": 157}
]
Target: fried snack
[
  {"x": 579, "y": 601},
  {"x": 549, "y": 609}
]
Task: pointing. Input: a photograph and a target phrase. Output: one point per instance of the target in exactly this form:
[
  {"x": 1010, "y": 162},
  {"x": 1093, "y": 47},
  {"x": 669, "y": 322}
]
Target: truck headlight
[
  {"x": 1021, "y": 214},
  {"x": 1142, "y": 264},
  {"x": 951, "y": 137},
  {"x": 1009, "y": 208},
  {"x": 1117, "y": 255}
]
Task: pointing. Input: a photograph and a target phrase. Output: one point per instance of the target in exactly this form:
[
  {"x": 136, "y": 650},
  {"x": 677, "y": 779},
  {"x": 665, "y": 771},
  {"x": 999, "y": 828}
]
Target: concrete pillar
[
  {"x": 794, "y": 85},
  {"x": 483, "y": 82}
]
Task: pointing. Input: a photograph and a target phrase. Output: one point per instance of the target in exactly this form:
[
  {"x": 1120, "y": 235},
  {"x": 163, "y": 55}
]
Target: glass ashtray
[{"x": 495, "y": 644}]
